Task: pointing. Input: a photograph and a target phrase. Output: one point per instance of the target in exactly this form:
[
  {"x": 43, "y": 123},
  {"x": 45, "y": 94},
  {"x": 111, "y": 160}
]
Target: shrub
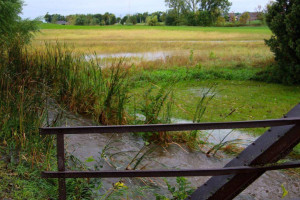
[
  {"x": 152, "y": 20},
  {"x": 245, "y": 17},
  {"x": 220, "y": 21},
  {"x": 283, "y": 19}
]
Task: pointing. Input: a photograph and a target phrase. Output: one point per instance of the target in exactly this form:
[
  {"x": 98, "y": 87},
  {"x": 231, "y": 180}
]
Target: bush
[
  {"x": 220, "y": 21},
  {"x": 205, "y": 18},
  {"x": 283, "y": 19},
  {"x": 152, "y": 20},
  {"x": 171, "y": 19},
  {"x": 245, "y": 17}
]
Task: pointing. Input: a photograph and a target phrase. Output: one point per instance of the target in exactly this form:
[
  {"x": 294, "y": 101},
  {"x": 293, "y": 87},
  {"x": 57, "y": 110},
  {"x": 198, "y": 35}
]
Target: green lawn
[{"x": 244, "y": 29}]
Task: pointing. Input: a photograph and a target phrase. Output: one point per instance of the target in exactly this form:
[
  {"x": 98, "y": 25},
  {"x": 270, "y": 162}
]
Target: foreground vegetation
[{"x": 181, "y": 86}]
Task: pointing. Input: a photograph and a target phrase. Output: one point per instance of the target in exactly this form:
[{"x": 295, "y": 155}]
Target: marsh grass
[
  {"x": 231, "y": 46},
  {"x": 28, "y": 80},
  {"x": 82, "y": 85},
  {"x": 153, "y": 105}
]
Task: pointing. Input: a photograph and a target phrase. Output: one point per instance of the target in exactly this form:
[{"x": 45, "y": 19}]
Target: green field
[{"x": 245, "y": 29}]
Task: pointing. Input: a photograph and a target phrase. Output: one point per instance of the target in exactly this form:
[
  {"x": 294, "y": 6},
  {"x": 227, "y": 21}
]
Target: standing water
[{"x": 116, "y": 151}]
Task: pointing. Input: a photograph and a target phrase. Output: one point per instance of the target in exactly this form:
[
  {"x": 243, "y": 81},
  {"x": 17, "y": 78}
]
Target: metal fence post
[{"x": 61, "y": 166}]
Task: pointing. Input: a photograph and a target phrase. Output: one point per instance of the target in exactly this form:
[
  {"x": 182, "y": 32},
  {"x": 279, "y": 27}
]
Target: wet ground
[
  {"x": 121, "y": 151},
  {"x": 147, "y": 56},
  {"x": 153, "y": 56}
]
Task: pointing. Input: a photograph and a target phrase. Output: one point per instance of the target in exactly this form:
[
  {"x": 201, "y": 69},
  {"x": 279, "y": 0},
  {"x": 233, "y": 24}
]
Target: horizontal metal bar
[
  {"x": 168, "y": 173},
  {"x": 169, "y": 127}
]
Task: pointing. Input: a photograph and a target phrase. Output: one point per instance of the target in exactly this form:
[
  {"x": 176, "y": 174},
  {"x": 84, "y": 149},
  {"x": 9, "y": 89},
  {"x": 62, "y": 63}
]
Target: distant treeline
[
  {"x": 80, "y": 19},
  {"x": 105, "y": 19},
  {"x": 180, "y": 12}
]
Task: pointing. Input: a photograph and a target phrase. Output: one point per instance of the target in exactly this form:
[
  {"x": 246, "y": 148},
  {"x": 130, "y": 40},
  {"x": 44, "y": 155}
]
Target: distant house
[
  {"x": 253, "y": 16},
  {"x": 232, "y": 17},
  {"x": 62, "y": 22}
]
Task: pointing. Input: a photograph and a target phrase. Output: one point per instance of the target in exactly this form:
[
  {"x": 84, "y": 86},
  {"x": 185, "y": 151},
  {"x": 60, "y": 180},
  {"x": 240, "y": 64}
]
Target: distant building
[
  {"x": 232, "y": 17},
  {"x": 62, "y": 22},
  {"x": 253, "y": 16},
  {"x": 238, "y": 17}
]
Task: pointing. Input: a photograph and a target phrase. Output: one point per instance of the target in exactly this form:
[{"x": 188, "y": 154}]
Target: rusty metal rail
[
  {"x": 290, "y": 125},
  {"x": 168, "y": 173},
  {"x": 169, "y": 127}
]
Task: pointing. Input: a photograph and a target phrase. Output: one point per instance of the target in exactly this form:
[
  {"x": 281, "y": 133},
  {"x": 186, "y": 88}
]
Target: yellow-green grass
[{"x": 229, "y": 46}]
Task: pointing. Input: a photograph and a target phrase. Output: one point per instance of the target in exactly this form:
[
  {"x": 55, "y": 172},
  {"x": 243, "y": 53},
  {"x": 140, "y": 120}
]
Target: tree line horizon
[{"x": 180, "y": 12}]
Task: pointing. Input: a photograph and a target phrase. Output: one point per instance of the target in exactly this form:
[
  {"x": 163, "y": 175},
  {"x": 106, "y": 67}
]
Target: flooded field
[{"x": 121, "y": 151}]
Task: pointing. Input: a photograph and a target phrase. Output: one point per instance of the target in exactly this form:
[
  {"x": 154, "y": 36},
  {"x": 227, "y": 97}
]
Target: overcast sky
[{"x": 37, "y": 8}]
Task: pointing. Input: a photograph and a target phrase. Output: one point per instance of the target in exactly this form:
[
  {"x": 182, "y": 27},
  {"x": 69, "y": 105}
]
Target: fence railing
[{"x": 250, "y": 168}]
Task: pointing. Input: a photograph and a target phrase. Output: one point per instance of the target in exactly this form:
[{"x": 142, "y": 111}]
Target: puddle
[
  {"x": 222, "y": 135},
  {"x": 210, "y": 41},
  {"x": 215, "y": 136},
  {"x": 187, "y": 41},
  {"x": 147, "y": 56},
  {"x": 174, "y": 157},
  {"x": 203, "y": 91}
]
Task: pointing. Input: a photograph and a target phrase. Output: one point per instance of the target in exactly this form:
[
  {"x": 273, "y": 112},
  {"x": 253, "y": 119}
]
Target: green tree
[
  {"x": 205, "y": 18},
  {"x": 132, "y": 20},
  {"x": 113, "y": 19},
  {"x": 192, "y": 5},
  {"x": 13, "y": 29},
  {"x": 171, "y": 18},
  {"x": 152, "y": 20},
  {"x": 80, "y": 20},
  {"x": 221, "y": 21},
  {"x": 207, "y": 11},
  {"x": 215, "y": 8},
  {"x": 283, "y": 20},
  {"x": 192, "y": 18},
  {"x": 124, "y": 20},
  {"x": 245, "y": 17},
  {"x": 176, "y": 5},
  {"x": 48, "y": 18}
]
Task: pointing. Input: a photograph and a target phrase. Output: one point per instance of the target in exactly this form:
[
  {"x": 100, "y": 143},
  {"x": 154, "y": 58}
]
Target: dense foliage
[
  {"x": 23, "y": 109},
  {"x": 12, "y": 28},
  {"x": 196, "y": 12},
  {"x": 80, "y": 19},
  {"x": 283, "y": 19}
]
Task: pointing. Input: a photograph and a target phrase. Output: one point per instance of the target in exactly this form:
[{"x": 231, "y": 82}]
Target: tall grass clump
[
  {"x": 22, "y": 101},
  {"x": 29, "y": 78},
  {"x": 23, "y": 152},
  {"x": 21, "y": 95},
  {"x": 156, "y": 107},
  {"x": 83, "y": 86}
]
